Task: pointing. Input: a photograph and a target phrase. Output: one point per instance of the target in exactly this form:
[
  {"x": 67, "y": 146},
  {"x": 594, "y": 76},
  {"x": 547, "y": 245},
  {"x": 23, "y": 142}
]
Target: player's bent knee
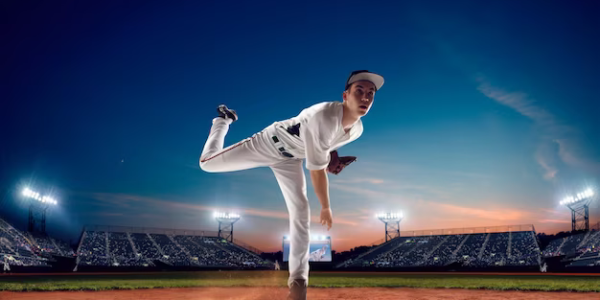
[{"x": 207, "y": 166}]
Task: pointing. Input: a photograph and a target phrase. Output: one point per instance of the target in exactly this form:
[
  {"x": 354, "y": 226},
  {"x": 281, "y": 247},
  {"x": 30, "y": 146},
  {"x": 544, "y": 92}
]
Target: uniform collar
[{"x": 355, "y": 127}]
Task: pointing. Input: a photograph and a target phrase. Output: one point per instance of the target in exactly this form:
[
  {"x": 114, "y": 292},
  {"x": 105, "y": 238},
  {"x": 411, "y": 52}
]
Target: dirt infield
[{"x": 243, "y": 293}]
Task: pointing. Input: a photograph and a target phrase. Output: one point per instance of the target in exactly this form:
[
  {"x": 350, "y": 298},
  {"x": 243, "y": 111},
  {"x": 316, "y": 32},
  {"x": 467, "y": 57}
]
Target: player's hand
[{"x": 326, "y": 217}]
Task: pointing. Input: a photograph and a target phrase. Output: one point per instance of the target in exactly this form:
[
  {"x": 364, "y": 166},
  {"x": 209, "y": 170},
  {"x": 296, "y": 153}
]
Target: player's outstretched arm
[{"x": 320, "y": 183}]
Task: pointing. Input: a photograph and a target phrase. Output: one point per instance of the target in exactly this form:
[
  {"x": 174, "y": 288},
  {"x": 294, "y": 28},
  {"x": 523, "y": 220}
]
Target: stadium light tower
[
  {"x": 37, "y": 209},
  {"x": 226, "y": 221},
  {"x": 392, "y": 224},
  {"x": 580, "y": 209}
]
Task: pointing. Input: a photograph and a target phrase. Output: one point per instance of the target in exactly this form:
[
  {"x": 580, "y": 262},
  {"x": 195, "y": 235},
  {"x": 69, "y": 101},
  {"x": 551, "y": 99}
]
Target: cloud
[
  {"x": 438, "y": 211},
  {"x": 106, "y": 214},
  {"x": 554, "y": 132},
  {"x": 487, "y": 214},
  {"x": 562, "y": 213},
  {"x": 361, "y": 191},
  {"x": 359, "y": 180},
  {"x": 550, "y": 170},
  {"x": 175, "y": 207},
  {"x": 567, "y": 151},
  {"x": 101, "y": 214},
  {"x": 555, "y": 221},
  {"x": 518, "y": 101},
  {"x": 393, "y": 191}
]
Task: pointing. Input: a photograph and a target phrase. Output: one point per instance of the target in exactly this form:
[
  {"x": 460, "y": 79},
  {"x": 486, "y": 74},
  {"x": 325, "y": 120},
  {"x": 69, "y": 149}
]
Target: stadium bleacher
[
  {"x": 120, "y": 250},
  {"x": 444, "y": 253},
  {"x": 18, "y": 249},
  {"x": 578, "y": 243},
  {"x": 114, "y": 249},
  {"x": 131, "y": 248},
  {"x": 92, "y": 250},
  {"x": 171, "y": 252},
  {"x": 483, "y": 250},
  {"x": 524, "y": 250},
  {"x": 52, "y": 246}
]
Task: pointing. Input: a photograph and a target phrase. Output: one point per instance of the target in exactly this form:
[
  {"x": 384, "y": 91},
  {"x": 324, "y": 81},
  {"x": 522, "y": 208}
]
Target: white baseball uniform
[{"x": 320, "y": 132}]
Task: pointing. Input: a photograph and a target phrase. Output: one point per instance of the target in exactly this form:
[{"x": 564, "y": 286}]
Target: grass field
[{"x": 278, "y": 279}]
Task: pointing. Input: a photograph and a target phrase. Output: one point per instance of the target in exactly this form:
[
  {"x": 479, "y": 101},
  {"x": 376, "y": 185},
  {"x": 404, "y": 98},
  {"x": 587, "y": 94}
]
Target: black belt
[
  {"x": 280, "y": 147},
  {"x": 294, "y": 130}
]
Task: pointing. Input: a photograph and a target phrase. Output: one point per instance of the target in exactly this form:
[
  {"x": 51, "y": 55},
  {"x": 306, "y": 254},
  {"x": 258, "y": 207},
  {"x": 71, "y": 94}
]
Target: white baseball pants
[{"x": 260, "y": 151}]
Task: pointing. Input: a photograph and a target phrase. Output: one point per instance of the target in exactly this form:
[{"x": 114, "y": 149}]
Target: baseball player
[
  {"x": 314, "y": 135},
  {"x": 318, "y": 254}
]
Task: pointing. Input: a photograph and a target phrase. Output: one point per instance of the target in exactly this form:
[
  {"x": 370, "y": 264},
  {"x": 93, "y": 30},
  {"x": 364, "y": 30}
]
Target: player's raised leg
[
  {"x": 250, "y": 153},
  {"x": 290, "y": 176}
]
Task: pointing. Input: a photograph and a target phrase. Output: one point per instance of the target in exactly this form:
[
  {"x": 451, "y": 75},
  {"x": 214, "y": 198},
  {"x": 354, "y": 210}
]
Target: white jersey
[{"x": 321, "y": 132}]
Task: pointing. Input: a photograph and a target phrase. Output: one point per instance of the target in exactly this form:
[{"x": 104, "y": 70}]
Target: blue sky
[{"x": 487, "y": 117}]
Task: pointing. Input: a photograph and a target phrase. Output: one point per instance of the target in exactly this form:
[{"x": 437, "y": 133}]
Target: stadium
[
  {"x": 105, "y": 258},
  {"x": 423, "y": 150}
]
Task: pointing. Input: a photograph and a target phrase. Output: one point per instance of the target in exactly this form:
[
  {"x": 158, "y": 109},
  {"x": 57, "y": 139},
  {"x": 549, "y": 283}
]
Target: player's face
[{"x": 359, "y": 97}]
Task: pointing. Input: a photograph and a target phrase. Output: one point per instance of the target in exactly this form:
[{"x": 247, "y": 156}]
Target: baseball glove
[{"x": 338, "y": 163}]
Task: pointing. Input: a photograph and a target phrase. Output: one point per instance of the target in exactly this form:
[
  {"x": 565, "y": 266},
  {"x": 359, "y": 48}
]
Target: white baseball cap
[{"x": 355, "y": 76}]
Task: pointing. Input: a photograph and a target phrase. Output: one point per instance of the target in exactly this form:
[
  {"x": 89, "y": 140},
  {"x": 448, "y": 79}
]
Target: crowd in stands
[
  {"x": 443, "y": 255},
  {"x": 19, "y": 248},
  {"x": 468, "y": 253},
  {"x": 49, "y": 245},
  {"x": 524, "y": 250},
  {"x": 246, "y": 257},
  {"x": 13, "y": 241},
  {"x": 494, "y": 252},
  {"x": 172, "y": 253},
  {"x": 580, "y": 249},
  {"x": 92, "y": 250},
  {"x": 471, "y": 250},
  {"x": 23, "y": 261},
  {"x": 578, "y": 243},
  {"x": 145, "y": 249},
  {"x": 120, "y": 250}
]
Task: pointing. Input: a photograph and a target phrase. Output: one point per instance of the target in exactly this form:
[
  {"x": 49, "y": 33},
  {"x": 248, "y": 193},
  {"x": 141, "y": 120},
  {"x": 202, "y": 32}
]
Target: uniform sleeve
[{"x": 316, "y": 134}]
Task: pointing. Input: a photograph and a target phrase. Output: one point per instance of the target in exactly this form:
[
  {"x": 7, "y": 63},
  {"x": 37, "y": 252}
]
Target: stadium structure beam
[
  {"x": 392, "y": 224},
  {"x": 580, "y": 210},
  {"x": 226, "y": 221},
  {"x": 37, "y": 210}
]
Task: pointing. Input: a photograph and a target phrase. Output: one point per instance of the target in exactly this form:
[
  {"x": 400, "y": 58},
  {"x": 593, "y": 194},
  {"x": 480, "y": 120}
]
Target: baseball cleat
[
  {"x": 227, "y": 113},
  {"x": 297, "y": 290}
]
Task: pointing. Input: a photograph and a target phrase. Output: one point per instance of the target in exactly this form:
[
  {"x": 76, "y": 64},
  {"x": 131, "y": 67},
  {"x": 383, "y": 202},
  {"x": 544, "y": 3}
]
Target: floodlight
[
  {"x": 579, "y": 205},
  {"x": 392, "y": 223},
  {"x": 41, "y": 203}
]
